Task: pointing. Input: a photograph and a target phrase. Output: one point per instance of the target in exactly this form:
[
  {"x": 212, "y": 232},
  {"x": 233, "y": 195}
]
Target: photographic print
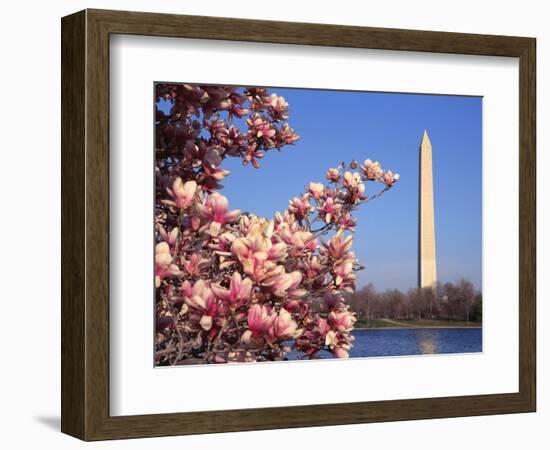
[{"x": 295, "y": 224}]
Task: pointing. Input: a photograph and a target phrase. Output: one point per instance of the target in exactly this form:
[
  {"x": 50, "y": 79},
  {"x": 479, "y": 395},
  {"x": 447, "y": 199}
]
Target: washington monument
[{"x": 427, "y": 271}]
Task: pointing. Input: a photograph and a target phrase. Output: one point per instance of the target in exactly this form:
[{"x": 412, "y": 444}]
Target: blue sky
[{"x": 337, "y": 126}]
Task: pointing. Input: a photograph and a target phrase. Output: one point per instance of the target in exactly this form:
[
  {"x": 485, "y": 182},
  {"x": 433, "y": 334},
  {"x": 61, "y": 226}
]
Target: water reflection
[
  {"x": 400, "y": 342},
  {"x": 427, "y": 342}
]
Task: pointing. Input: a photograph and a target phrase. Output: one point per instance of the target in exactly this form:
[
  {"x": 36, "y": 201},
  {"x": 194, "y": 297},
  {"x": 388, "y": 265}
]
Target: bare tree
[
  {"x": 448, "y": 301},
  {"x": 466, "y": 292}
]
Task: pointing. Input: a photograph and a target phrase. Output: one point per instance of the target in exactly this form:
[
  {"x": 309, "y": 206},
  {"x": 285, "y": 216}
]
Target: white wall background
[{"x": 30, "y": 178}]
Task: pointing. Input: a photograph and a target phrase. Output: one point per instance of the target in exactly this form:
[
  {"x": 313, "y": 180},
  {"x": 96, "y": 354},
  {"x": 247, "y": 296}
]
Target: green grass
[
  {"x": 374, "y": 323},
  {"x": 400, "y": 323}
]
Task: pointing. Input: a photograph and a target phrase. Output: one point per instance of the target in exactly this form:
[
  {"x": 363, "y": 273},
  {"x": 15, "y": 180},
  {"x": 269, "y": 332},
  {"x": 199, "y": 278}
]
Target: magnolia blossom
[
  {"x": 299, "y": 241},
  {"x": 254, "y": 263},
  {"x": 352, "y": 180},
  {"x": 215, "y": 210},
  {"x": 256, "y": 251},
  {"x": 278, "y": 107},
  {"x": 200, "y": 297},
  {"x": 313, "y": 267},
  {"x": 284, "y": 282},
  {"x": 329, "y": 210},
  {"x": 300, "y": 207},
  {"x": 333, "y": 175},
  {"x": 259, "y": 127},
  {"x": 238, "y": 292},
  {"x": 195, "y": 264},
  {"x": 181, "y": 193},
  {"x": 341, "y": 321},
  {"x": 316, "y": 190},
  {"x": 211, "y": 177},
  {"x": 347, "y": 222},
  {"x": 344, "y": 273},
  {"x": 163, "y": 263},
  {"x": 337, "y": 247},
  {"x": 252, "y": 154},
  {"x": 284, "y": 327},
  {"x": 260, "y": 319},
  {"x": 371, "y": 171},
  {"x": 331, "y": 339},
  {"x": 170, "y": 237},
  {"x": 286, "y": 135},
  {"x": 358, "y": 194},
  {"x": 390, "y": 178}
]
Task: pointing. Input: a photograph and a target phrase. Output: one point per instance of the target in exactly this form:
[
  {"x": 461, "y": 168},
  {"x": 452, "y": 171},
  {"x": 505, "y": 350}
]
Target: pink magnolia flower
[
  {"x": 333, "y": 175},
  {"x": 312, "y": 267},
  {"x": 260, "y": 128},
  {"x": 357, "y": 194},
  {"x": 260, "y": 319},
  {"x": 258, "y": 97},
  {"x": 200, "y": 154},
  {"x": 278, "y": 107},
  {"x": 252, "y": 154},
  {"x": 182, "y": 194},
  {"x": 322, "y": 326},
  {"x": 233, "y": 140},
  {"x": 347, "y": 222},
  {"x": 355, "y": 187},
  {"x": 390, "y": 178},
  {"x": 344, "y": 275},
  {"x": 286, "y": 136},
  {"x": 338, "y": 247},
  {"x": 331, "y": 338},
  {"x": 164, "y": 266},
  {"x": 284, "y": 282},
  {"x": 200, "y": 297},
  {"x": 352, "y": 180},
  {"x": 284, "y": 327},
  {"x": 216, "y": 173},
  {"x": 277, "y": 252},
  {"x": 329, "y": 210},
  {"x": 258, "y": 252},
  {"x": 238, "y": 292},
  {"x": 195, "y": 264},
  {"x": 257, "y": 242},
  {"x": 371, "y": 171},
  {"x": 190, "y": 97},
  {"x": 341, "y": 321},
  {"x": 338, "y": 343},
  {"x": 316, "y": 190},
  {"x": 255, "y": 259},
  {"x": 299, "y": 241},
  {"x": 300, "y": 207},
  {"x": 170, "y": 237},
  {"x": 217, "y": 128},
  {"x": 215, "y": 210}
]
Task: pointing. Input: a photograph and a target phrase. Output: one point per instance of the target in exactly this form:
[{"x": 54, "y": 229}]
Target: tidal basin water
[{"x": 414, "y": 341}]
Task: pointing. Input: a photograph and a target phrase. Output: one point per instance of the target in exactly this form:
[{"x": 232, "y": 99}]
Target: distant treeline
[{"x": 448, "y": 301}]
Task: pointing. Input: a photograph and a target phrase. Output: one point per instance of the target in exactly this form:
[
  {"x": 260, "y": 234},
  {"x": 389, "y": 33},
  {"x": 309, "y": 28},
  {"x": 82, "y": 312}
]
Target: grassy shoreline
[{"x": 422, "y": 323}]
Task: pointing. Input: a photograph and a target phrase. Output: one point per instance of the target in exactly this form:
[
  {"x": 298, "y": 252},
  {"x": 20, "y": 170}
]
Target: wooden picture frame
[{"x": 85, "y": 224}]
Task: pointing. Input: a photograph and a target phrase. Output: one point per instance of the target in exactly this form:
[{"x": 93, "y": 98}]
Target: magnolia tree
[{"x": 232, "y": 286}]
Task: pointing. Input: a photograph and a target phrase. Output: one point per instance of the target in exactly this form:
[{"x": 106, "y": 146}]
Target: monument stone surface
[{"x": 427, "y": 271}]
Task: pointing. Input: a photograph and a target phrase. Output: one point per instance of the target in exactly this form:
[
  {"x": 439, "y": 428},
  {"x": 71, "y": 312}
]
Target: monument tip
[{"x": 425, "y": 137}]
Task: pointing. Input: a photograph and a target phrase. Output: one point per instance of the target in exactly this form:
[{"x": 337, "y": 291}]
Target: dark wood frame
[{"x": 85, "y": 224}]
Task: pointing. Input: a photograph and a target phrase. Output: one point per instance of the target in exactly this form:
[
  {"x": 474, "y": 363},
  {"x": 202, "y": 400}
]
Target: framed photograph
[{"x": 273, "y": 225}]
